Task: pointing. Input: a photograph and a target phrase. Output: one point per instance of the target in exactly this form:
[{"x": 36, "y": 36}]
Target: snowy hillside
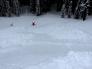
[{"x": 53, "y": 43}]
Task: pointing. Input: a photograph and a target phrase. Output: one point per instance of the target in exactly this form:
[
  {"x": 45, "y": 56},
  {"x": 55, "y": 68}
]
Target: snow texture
[{"x": 53, "y": 43}]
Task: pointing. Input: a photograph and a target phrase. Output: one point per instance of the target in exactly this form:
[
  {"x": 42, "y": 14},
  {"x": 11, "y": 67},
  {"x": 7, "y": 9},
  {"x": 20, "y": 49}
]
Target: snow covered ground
[{"x": 54, "y": 43}]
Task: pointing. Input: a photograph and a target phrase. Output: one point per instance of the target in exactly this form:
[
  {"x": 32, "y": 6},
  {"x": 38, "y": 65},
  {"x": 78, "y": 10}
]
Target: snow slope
[{"x": 54, "y": 43}]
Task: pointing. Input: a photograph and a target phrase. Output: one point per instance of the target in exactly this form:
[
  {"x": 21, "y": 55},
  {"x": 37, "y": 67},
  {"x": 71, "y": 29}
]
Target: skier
[{"x": 33, "y": 23}]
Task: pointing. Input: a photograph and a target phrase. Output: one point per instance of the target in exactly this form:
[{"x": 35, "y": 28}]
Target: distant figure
[{"x": 33, "y": 23}]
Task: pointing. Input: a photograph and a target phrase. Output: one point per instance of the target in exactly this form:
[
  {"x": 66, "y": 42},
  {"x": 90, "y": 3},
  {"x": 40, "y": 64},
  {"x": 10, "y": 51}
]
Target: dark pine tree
[
  {"x": 38, "y": 7},
  {"x": 16, "y": 7},
  {"x": 7, "y": 8},
  {"x": 33, "y": 6},
  {"x": 2, "y": 7}
]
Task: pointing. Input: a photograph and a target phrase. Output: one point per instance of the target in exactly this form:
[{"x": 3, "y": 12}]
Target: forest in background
[{"x": 38, "y": 7}]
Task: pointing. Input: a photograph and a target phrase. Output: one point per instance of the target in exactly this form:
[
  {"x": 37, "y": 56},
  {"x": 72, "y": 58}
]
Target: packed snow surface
[{"x": 53, "y": 43}]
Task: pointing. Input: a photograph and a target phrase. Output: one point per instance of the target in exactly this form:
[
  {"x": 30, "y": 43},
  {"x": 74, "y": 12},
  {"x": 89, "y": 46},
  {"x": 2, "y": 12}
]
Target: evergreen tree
[
  {"x": 70, "y": 9},
  {"x": 48, "y": 5},
  {"x": 59, "y": 4},
  {"x": 16, "y": 7},
  {"x": 7, "y": 8},
  {"x": 38, "y": 8},
  {"x": 77, "y": 10},
  {"x": 2, "y": 8},
  {"x": 84, "y": 8},
  {"x": 63, "y": 10},
  {"x": 66, "y": 8},
  {"x": 33, "y": 6},
  {"x": 81, "y": 10},
  {"x": 44, "y": 5}
]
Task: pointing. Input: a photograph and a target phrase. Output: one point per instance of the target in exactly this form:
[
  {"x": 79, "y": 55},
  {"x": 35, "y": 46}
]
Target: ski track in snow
[{"x": 54, "y": 43}]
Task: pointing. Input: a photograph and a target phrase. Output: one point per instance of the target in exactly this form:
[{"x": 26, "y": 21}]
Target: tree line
[
  {"x": 12, "y": 7},
  {"x": 38, "y": 7},
  {"x": 9, "y": 7}
]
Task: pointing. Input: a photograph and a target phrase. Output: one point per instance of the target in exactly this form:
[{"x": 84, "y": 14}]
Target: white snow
[
  {"x": 72, "y": 61},
  {"x": 54, "y": 43}
]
